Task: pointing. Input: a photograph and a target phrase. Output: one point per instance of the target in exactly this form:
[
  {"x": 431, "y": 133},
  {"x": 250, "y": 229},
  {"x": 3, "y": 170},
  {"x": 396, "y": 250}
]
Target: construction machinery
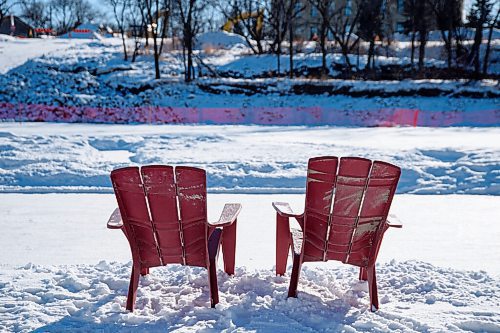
[{"x": 232, "y": 21}]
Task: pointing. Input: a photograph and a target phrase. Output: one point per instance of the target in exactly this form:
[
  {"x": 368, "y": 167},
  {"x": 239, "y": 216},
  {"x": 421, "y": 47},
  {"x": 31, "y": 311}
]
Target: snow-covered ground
[
  {"x": 63, "y": 270},
  {"x": 93, "y": 74},
  {"x": 15, "y": 51},
  {"x": 38, "y": 157}
]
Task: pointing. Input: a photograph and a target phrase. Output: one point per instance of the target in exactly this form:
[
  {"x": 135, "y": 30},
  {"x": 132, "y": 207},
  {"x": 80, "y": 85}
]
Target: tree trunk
[
  {"x": 476, "y": 48},
  {"x": 370, "y": 54},
  {"x": 447, "y": 43},
  {"x": 278, "y": 53},
  {"x": 290, "y": 31},
  {"x": 156, "y": 56},
  {"x": 190, "y": 60},
  {"x": 413, "y": 48},
  {"x": 421, "y": 49},
  {"x": 487, "y": 52},
  {"x": 125, "y": 56},
  {"x": 324, "y": 69}
]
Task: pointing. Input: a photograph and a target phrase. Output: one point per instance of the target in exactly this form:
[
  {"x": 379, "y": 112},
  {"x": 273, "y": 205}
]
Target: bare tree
[
  {"x": 34, "y": 12},
  {"x": 423, "y": 15},
  {"x": 448, "y": 18},
  {"x": 278, "y": 24},
  {"x": 190, "y": 18},
  {"x": 120, "y": 8},
  {"x": 493, "y": 24},
  {"x": 85, "y": 12},
  {"x": 410, "y": 25},
  {"x": 63, "y": 12},
  {"x": 370, "y": 28},
  {"x": 137, "y": 26},
  {"x": 478, "y": 17},
  {"x": 295, "y": 7},
  {"x": 157, "y": 12},
  {"x": 325, "y": 10},
  {"x": 342, "y": 27},
  {"x": 5, "y": 7}
]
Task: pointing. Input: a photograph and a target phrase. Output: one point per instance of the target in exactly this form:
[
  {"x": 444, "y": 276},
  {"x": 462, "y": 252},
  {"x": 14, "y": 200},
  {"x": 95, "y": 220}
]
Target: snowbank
[
  {"x": 91, "y": 82},
  {"x": 434, "y": 161},
  {"x": 175, "y": 299},
  {"x": 218, "y": 40}
]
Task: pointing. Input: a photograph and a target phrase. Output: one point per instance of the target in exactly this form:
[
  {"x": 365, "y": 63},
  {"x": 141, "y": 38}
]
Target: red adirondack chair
[
  {"x": 344, "y": 219},
  {"x": 163, "y": 213}
]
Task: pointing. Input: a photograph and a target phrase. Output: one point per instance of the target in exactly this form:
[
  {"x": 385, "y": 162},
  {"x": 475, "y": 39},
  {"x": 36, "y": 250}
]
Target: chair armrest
[
  {"x": 393, "y": 225},
  {"x": 284, "y": 209},
  {"x": 228, "y": 216},
  {"x": 115, "y": 220}
]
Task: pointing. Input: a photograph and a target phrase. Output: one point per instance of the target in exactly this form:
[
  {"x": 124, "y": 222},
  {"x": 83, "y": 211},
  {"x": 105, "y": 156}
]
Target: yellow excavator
[{"x": 258, "y": 14}]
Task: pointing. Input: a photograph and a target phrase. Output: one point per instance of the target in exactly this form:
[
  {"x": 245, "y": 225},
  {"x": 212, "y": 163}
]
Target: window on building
[
  {"x": 401, "y": 6},
  {"x": 348, "y": 8},
  {"x": 298, "y": 7},
  {"x": 314, "y": 33},
  {"x": 314, "y": 12},
  {"x": 332, "y": 6},
  {"x": 329, "y": 35}
]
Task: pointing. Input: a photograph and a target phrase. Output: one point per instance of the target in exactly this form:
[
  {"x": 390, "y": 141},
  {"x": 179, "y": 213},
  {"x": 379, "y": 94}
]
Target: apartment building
[{"x": 308, "y": 21}]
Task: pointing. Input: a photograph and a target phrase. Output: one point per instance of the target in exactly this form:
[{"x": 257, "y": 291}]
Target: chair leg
[
  {"x": 294, "y": 279},
  {"x": 372, "y": 288},
  {"x": 144, "y": 271},
  {"x": 132, "y": 288},
  {"x": 282, "y": 243},
  {"x": 214, "y": 289},
  {"x": 362, "y": 274},
  {"x": 229, "y": 247}
]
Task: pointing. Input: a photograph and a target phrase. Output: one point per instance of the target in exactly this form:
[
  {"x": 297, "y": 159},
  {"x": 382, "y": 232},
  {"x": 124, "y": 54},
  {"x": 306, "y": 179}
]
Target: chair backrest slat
[
  {"x": 378, "y": 198},
  {"x": 161, "y": 193},
  {"x": 321, "y": 177},
  {"x": 345, "y": 207},
  {"x": 192, "y": 196},
  {"x": 131, "y": 199},
  {"x": 351, "y": 183}
]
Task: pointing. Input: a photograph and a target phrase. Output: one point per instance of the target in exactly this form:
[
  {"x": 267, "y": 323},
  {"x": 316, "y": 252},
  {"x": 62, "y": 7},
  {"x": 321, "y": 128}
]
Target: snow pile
[
  {"x": 219, "y": 40},
  {"x": 434, "y": 161},
  {"x": 175, "y": 298},
  {"x": 16, "y": 52},
  {"x": 6, "y": 38},
  {"x": 93, "y": 75}
]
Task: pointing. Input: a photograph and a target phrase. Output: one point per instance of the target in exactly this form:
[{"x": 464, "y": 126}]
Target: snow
[
  {"x": 77, "y": 157},
  {"x": 62, "y": 270},
  {"x": 219, "y": 40},
  {"x": 458, "y": 239},
  {"x": 15, "y": 52},
  {"x": 175, "y": 299},
  {"x": 89, "y": 81}
]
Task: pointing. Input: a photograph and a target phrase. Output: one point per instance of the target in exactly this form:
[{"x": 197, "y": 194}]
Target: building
[
  {"x": 14, "y": 26},
  {"x": 309, "y": 19}
]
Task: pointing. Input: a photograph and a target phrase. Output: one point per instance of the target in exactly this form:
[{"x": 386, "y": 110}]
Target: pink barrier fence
[{"x": 255, "y": 115}]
